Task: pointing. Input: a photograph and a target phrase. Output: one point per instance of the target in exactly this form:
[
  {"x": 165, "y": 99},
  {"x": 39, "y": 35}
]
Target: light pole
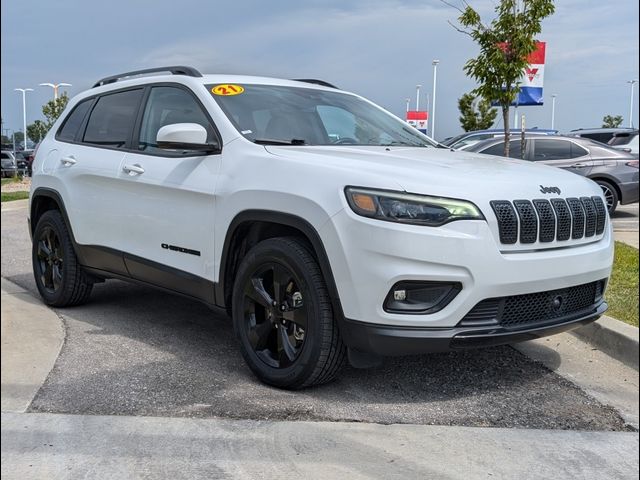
[
  {"x": 553, "y": 110},
  {"x": 408, "y": 100},
  {"x": 633, "y": 84},
  {"x": 433, "y": 107},
  {"x": 55, "y": 87},
  {"x": 418, "y": 97},
  {"x": 24, "y": 111}
]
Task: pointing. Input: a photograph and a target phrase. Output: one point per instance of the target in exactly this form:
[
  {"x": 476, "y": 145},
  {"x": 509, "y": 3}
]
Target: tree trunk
[{"x": 507, "y": 131}]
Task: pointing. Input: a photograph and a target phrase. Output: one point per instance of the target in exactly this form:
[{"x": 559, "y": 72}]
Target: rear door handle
[
  {"x": 135, "y": 169},
  {"x": 579, "y": 165},
  {"x": 68, "y": 160}
]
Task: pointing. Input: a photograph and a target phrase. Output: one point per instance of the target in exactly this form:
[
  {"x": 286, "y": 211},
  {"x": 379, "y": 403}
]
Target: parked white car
[{"x": 327, "y": 227}]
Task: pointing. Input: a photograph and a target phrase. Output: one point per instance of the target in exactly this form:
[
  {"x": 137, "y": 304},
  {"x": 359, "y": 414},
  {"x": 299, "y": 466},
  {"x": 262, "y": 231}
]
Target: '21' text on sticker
[{"x": 227, "y": 89}]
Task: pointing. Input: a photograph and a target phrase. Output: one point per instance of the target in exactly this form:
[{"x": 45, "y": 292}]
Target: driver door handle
[{"x": 135, "y": 169}]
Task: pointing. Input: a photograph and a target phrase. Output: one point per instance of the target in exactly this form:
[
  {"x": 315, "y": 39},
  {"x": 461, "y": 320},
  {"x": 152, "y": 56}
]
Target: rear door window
[
  {"x": 112, "y": 119},
  {"x": 551, "y": 150}
]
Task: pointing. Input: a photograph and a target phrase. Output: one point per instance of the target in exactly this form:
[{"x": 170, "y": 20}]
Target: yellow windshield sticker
[{"x": 227, "y": 89}]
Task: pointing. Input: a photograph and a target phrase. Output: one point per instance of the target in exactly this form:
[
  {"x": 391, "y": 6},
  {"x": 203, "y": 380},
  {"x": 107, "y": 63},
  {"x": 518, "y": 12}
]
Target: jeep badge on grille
[{"x": 550, "y": 190}]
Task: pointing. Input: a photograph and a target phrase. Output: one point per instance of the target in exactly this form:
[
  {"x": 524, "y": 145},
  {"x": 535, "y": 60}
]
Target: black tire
[
  {"x": 59, "y": 278},
  {"x": 610, "y": 195},
  {"x": 300, "y": 346}
]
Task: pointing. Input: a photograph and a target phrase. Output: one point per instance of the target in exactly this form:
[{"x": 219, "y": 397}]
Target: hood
[{"x": 442, "y": 172}]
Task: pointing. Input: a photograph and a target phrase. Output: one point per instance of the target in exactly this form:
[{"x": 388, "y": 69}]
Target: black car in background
[{"x": 614, "y": 170}]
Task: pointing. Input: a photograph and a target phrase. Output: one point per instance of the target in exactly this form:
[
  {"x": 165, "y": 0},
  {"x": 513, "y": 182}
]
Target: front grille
[
  {"x": 535, "y": 308},
  {"x": 544, "y": 221}
]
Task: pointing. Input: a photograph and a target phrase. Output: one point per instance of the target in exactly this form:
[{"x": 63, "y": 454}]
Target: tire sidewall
[
  {"x": 616, "y": 199},
  {"x": 271, "y": 251}
]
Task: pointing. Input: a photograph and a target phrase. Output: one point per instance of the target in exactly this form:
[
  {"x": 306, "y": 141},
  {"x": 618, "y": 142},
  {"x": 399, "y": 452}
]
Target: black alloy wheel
[
  {"x": 283, "y": 318},
  {"x": 275, "y": 315},
  {"x": 59, "y": 277},
  {"x": 50, "y": 260}
]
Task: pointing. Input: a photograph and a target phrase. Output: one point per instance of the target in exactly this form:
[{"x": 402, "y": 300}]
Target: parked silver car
[
  {"x": 9, "y": 164},
  {"x": 614, "y": 170}
]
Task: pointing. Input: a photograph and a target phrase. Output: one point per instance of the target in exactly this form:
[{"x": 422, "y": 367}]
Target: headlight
[{"x": 410, "y": 208}]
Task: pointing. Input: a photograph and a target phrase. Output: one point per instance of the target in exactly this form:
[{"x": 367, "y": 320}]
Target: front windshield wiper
[
  {"x": 403, "y": 144},
  {"x": 267, "y": 141}
]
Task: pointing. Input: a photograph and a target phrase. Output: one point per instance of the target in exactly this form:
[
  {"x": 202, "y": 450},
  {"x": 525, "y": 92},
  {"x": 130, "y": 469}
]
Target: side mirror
[{"x": 185, "y": 136}]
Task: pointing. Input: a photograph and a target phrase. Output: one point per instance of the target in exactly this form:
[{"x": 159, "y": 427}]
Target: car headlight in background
[{"x": 410, "y": 208}]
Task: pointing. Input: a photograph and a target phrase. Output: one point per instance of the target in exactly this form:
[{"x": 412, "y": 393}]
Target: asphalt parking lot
[{"x": 136, "y": 351}]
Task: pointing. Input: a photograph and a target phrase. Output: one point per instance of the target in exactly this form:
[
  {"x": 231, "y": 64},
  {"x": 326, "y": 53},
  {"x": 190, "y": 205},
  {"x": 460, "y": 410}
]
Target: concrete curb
[
  {"x": 613, "y": 337},
  {"x": 32, "y": 336}
]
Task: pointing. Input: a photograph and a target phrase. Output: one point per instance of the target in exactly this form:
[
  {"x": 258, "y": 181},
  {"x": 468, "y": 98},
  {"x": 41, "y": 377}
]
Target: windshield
[{"x": 270, "y": 114}]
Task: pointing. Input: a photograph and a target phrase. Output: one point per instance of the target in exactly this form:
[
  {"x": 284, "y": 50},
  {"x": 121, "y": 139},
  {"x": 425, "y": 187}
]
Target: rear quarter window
[{"x": 72, "y": 124}]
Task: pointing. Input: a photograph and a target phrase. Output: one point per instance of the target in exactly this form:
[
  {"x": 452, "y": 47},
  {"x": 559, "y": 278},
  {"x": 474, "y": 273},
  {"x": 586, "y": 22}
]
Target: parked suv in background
[
  {"x": 615, "y": 171},
  {"x": 327, "y": 227},
  {"x": 626, "y": 141},
  {"x": 602, "y": 135}
]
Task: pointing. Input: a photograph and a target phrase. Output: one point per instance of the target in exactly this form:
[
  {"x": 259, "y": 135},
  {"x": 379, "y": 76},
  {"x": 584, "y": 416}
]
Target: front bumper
[
  {"x": 391, "y": 340},
  {"x": 368, "y": 257}
]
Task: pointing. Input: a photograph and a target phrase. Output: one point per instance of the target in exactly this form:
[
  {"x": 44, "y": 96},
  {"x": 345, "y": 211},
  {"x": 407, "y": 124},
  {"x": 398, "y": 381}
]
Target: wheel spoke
[
  {"x": 284, "y": 345},
  {"x": 47, "y": 276},
  {"x": 56, "y": 276},
  {"x": 256, "y": 292},
  {"x": 281, "y": 278},
  {"x": 297, "y": 316},
  {"x": 259, "y": 333},
  {"x": 43, "y": 250}
]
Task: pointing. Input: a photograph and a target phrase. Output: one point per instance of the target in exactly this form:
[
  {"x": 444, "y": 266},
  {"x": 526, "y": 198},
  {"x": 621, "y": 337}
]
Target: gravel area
[
  {"x": 134, "y": 351},
  {"x": 22, "y": 186}
]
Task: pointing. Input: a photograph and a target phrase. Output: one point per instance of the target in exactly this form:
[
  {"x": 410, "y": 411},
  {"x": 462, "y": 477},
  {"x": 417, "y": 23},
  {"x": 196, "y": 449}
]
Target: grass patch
[
  {"x": 10, "y": 196},
  {"x": 6, "y": 181},
  {"x": 622, "y": 292}
]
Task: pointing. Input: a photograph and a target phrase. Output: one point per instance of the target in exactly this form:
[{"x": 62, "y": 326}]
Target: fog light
[
  {"x": 420, "y": 297},
  {"x": 400, "y": 295}
]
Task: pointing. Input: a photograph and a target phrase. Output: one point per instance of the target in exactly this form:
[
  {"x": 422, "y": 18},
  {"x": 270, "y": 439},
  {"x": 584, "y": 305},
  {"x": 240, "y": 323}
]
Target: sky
[{"x": 380, "y": 49}]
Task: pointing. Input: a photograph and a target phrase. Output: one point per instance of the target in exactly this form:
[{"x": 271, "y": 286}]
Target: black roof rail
[
  {"x": 175, "y": 70},
  {"x": 315, "y": 81}
]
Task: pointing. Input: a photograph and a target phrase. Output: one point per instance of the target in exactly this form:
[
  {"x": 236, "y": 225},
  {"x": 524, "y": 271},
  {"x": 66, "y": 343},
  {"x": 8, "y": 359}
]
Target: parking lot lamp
[
  {"x": 633, "y": 84},
  {"x": 24, "y": 111},
  {"x": 433, "y": 107},
  {"x": 418, "y": 97},
  {"x": 55, "y": 87},
  {"x": 553, "y": 110}
]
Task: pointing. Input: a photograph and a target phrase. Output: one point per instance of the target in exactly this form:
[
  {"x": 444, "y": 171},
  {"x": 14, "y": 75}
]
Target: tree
[
  {"x": 18, "y": 137},
  {"x": 609, "y": 121},
  {"x": 54, "y": 108},
  {"x": 472, "y": 119},
  {"x": 504, "y": 45},
  {"x": 37, "y": 130}
]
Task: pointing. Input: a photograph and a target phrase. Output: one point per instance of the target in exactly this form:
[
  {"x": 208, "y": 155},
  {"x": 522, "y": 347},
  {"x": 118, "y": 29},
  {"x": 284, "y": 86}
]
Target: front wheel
[
  {"x": 610, "y": 195},
  {"x": 283, "y": 318}
]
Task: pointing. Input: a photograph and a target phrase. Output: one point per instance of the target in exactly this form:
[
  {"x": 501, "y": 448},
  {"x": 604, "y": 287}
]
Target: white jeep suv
[{"x": 327, "y": 227}]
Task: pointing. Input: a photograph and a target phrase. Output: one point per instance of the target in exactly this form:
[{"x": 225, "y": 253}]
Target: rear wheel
[
  {"x": 59, "y": 278},
  {"x": 283, "y": 318},
  {"x": 610, "y": 195}
]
